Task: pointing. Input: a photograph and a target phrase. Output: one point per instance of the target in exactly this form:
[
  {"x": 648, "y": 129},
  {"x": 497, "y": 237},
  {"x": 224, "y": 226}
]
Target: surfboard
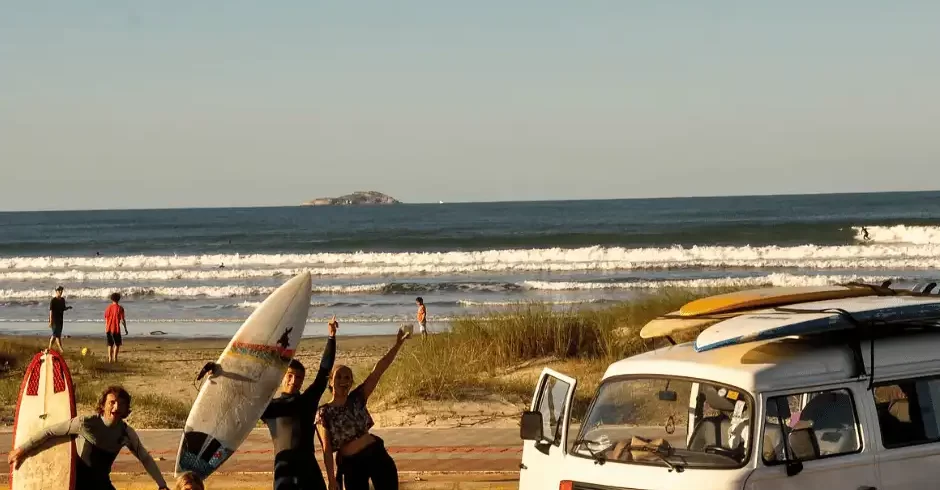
[
  {"x": 244, "y": 379},
  {"x": 772, "y": 296},
  {"x": 671, "y": 323},
  {"x": 805, "y": 319},
  {"x": 47, "y": 397}
]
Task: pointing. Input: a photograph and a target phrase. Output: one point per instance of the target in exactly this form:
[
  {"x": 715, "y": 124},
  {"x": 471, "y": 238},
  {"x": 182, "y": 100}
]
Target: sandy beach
[{"x": 160, "y": 373}]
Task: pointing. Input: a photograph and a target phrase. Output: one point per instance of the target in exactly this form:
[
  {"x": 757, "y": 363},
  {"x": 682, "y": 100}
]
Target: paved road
[{"x": 416, "y": 451}]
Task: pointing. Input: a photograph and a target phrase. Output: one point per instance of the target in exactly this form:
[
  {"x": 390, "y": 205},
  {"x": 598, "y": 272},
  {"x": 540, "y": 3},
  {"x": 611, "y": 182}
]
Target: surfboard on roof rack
[
  {"x": 818, "y": 317},
  {"x": 749, "y": 299}
]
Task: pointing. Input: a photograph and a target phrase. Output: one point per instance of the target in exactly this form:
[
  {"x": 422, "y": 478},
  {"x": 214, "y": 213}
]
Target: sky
[{"x": 134, "y": 104}]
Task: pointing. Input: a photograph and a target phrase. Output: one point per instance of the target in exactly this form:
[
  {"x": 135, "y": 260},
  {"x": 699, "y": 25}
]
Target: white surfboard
[
  {"x": 245, "y": 378},
  {"x": 773, "y": 323},
  {"x": 47, "y": 397}
]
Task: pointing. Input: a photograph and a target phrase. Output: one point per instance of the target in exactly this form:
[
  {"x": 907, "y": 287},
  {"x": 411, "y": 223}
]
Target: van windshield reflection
[{"x": 676, "y": 423}]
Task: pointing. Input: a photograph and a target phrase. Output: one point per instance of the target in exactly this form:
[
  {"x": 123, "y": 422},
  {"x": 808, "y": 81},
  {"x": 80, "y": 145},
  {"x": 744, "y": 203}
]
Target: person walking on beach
[
  {"x": 57, "y": 309},
  {"x": 343, "y": 425},
  {"x": 113, "y": 319},
  {"x": 290, "y": 417},
  {"x": 422, "y": 317},
  {"x": 98, "y": 440}
]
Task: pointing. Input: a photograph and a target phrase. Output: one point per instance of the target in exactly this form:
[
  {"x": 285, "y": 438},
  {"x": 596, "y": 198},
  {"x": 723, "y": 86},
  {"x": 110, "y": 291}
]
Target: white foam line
[
  {"x": 769, "y": 280},
  {"x": 141, "y": 267}
]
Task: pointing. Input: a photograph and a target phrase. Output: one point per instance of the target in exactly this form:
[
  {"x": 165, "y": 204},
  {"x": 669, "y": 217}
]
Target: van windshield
[{"x": 673, "y": 422}]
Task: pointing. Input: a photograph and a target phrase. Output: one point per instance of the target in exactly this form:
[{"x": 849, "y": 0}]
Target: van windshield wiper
[
  {"x": 662, "y": 457},
  {"x": 599, "y": 459}
]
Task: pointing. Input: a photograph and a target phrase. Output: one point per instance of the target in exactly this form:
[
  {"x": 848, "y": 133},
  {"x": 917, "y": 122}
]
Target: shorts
[
  {"x": 424, "y": 326},
  {"x": 57, "y": 330},
  {"x": 114, "y": 339}
]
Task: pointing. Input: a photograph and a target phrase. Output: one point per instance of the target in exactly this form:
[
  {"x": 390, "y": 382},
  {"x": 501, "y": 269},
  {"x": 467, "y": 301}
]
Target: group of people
[
  {"x": 114, "y": 318},
  {"x": 352, "y": 454}
]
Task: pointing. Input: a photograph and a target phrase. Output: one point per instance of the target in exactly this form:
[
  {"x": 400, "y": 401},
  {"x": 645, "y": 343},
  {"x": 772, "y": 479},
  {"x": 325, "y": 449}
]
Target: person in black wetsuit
[{"x": 290, "y": 417}]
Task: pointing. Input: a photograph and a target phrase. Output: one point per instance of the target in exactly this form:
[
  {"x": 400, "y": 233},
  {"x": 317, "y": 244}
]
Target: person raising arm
[{"x": 343, "y": 425}]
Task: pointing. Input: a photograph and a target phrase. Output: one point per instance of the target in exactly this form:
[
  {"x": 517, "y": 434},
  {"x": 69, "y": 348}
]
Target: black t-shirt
[
  {"x": 290, "y": 417},
  {"x": 57, "y": 307}
]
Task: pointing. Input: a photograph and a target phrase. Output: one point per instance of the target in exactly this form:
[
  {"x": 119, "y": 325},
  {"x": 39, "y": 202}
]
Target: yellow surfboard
[
  {"x": 671, "y": 323},
  {"x": 775, "y": 296}
]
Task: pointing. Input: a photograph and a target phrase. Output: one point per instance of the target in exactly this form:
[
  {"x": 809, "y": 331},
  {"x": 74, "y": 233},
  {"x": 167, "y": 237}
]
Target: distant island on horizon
[{"x": 358, "y": 198}]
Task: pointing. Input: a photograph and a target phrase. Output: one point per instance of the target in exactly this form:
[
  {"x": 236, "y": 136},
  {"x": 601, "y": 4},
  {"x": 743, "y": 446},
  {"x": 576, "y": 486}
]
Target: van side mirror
[
  {"x": 531, "y": 427},
  {"x": 803, "y": 447},
  {"x": 668, "y": 396}
]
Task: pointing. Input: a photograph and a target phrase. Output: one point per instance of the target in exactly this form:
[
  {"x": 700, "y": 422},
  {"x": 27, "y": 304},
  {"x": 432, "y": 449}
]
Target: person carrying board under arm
[
  {"x": 98, "y": 440},
  {"x": 290, "y": 420}
]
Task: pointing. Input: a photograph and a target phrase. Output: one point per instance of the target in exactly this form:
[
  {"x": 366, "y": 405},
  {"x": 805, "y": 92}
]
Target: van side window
[
  {"x": 552, "y": 406},
  {"x": 907, "y": 412},
  {"x": 815, "y": 425}
]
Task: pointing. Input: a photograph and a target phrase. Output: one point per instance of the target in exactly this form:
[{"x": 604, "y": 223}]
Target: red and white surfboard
[{"x": 47, "y": 397}]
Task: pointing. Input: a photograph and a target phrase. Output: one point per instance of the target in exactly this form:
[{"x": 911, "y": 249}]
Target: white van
[{"x": 675, "y": 418}]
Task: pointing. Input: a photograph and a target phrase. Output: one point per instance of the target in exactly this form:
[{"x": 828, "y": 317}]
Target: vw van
[{"x": 828, "y": 412}]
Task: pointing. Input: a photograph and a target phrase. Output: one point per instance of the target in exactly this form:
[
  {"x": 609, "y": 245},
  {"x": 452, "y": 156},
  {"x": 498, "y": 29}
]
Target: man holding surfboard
[
  {"x": 98, "y": 440},
  {"x": 290, "y": 419}
]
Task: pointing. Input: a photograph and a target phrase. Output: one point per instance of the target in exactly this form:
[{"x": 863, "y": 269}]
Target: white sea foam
[
  {"x": 776, "y": 279},
  {"x": 182, "y": 292},
  {"x": 917, "y": 235},
  {"x": 768, "y": 280},
  {"x": 169, "y": 268}
]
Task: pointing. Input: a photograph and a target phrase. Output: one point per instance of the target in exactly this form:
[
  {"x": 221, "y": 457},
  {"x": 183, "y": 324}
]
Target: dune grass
[
  {"x": 90, "y": 376},
  {"x": 503, "y": 352}
]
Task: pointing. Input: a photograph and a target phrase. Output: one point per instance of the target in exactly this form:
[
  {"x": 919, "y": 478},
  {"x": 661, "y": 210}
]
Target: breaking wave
[
  {"x": 916, "y": 235},
  {"x": 910, "y": 248},
  {"x": 775, "y": 279}
]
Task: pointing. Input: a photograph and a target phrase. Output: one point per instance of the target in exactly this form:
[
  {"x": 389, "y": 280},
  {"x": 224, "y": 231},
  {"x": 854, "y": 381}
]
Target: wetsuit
[
  {"x": 290, "y": 420},
  {"x": 57, "y": 307},
  {"x": 97, "y": 445}
]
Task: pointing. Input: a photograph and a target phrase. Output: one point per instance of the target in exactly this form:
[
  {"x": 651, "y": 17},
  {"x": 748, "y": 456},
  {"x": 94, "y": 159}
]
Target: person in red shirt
[{"x": 113, "y": 319}]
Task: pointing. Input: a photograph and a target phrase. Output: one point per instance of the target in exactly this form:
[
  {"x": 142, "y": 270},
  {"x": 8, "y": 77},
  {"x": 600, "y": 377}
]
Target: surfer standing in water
[
  {"x": 344, "y": 425},
  {"x": 290, "y": 418},
  {"x": 99, "y": 439}
]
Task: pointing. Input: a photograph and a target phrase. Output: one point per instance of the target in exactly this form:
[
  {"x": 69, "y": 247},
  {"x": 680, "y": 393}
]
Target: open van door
[{"x": 544, "y": 431}]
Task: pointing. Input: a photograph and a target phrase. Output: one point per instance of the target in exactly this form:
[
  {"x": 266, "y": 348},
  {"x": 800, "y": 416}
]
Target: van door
[
  {"x": 542, "y": 460},
  {"x": 816, "y": 435}
]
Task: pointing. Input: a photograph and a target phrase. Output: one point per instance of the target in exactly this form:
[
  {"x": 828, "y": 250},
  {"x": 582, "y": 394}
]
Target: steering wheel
[{"x": 728, "y": 453}]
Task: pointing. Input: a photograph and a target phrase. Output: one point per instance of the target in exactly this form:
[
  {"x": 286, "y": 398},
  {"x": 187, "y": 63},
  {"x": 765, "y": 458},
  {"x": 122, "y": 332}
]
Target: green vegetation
[
  {"x": 504, "y": 352},
  {"x": 90, "y": 375}
]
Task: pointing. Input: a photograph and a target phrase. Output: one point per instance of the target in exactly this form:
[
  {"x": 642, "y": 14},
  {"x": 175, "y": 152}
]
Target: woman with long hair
[{"x": 343, "y": 425}]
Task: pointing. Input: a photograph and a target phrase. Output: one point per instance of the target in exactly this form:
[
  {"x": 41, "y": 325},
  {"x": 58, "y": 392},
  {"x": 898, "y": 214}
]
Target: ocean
[{"x": 200, "y": 272}]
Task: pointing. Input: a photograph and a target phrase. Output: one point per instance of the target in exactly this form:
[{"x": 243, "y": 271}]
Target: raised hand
[{"x": 333, "y": 326}]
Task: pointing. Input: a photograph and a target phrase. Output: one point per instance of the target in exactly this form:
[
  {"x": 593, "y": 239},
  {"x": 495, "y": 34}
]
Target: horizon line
[{"x": 430, "y": 203}]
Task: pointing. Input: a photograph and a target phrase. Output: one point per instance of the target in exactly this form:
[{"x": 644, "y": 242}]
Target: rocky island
[{"x": 359, "y": 198}]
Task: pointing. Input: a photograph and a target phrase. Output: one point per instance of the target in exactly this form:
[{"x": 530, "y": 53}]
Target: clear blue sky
[{"x": 133, "y": 104}]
